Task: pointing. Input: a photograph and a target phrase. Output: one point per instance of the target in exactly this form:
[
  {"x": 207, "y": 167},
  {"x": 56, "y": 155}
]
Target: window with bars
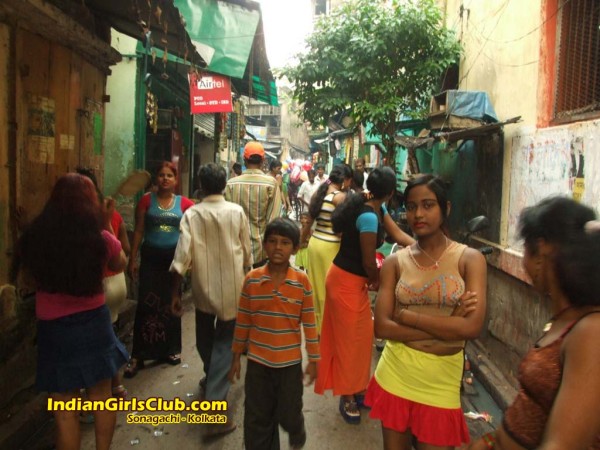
[{"x": 578, "y": 60}]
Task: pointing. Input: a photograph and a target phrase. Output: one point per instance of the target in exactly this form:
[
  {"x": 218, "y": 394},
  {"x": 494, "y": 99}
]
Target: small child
[
  {"x": 275, "y": 300},
  {"x": 302, "y": 253}
]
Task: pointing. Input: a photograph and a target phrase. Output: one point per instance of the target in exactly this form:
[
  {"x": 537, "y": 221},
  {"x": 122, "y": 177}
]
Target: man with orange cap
[{"x": 259, "y": 196}]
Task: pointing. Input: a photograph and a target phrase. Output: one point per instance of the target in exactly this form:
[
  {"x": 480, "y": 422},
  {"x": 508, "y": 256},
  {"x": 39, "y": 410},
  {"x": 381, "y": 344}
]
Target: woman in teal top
[{"x": 156, "y": 332}]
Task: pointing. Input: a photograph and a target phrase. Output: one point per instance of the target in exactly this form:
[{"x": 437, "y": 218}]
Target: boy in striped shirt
[{"x": 276, "y": 299}]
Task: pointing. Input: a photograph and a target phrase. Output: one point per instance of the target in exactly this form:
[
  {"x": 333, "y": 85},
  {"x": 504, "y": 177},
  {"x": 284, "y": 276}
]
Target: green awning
[
  {"x": 258, "y": 91},
  {"x": 229, "y": 36},
  {"x": 222, "y": 33}
]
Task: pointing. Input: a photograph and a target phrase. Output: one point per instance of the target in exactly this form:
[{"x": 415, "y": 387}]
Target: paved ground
[{"x": 325, "y": 428}]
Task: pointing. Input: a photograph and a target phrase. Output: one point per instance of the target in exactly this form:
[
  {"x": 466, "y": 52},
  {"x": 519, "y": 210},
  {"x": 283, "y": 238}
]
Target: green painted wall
[
  {"x": 120, "y": 115},
  {"x": 126, "y": 126}
]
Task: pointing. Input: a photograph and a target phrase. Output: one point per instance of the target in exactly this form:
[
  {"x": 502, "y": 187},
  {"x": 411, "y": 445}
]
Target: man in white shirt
[
  {"x": 321, "y": 175},
  {"x": 215, "y": 243},
  {"x": 308, "y": 188}
]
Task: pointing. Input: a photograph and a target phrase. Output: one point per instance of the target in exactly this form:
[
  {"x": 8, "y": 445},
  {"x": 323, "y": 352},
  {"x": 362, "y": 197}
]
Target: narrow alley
[{"x": 326, "y": 429}]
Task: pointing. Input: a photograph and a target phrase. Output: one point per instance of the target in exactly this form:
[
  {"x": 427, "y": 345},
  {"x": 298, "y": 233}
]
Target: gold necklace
[
  {"x": 169, "y": 205},
  {"x": 436, "y": 262}
]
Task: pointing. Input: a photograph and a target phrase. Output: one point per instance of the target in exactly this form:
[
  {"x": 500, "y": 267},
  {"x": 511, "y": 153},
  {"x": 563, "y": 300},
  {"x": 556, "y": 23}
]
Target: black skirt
[
  {"x": 77, "y": 351},
  {"x": 156, "y": 332}
]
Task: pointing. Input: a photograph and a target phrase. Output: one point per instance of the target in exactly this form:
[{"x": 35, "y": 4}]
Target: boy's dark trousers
[{"x": 273, "y": 398}]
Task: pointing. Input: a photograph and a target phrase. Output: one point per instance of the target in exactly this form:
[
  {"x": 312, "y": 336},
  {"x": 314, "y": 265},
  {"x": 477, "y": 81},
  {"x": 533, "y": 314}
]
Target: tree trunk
[
  {"x": 387, "y": 138},
  {"x": 390, "y": 146}
]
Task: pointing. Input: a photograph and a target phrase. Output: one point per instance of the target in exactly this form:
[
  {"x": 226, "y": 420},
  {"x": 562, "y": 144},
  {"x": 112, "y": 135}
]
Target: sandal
[
  {"x": 174, "y": 360},
  {"x": 133, "y": 367},
  {"x": 349, "y": 411},
  {"x": 214, "y": 430},
  {"x": 360, "y": 401},
  {"x": 119, "y": 391}
]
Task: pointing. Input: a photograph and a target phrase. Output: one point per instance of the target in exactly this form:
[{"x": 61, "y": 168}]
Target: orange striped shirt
[{"x": 269, "y": 318}]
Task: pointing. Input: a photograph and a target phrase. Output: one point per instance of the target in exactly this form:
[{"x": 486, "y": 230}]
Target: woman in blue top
[
  {"x": 156, "y": 332},
  {"x": 347, "y": 332}
]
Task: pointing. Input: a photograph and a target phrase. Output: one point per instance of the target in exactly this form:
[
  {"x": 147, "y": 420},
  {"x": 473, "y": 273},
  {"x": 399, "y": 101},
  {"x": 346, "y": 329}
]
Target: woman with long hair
[
  {"x": 347, "y": 332},
  {"x": 65, "y": 251},
  {"x": 557, "y": 406},
  {"x": 426, "y": 309},
  {"x": 156, "y": 332},
  {"x": 115, "y": 285},
  {"x": 324, "y": 243}
]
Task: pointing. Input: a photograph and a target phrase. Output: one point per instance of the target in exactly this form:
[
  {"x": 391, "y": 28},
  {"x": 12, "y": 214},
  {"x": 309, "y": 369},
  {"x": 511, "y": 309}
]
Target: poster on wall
[
  {"x": 41, "y": 129},
  {"x": 209, "y": 93},
  {"x": 577, "y": 180}
]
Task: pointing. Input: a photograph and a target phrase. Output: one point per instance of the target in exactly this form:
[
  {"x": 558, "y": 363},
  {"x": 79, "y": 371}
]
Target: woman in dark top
[
  {"x": 558, "y": 405},
  {"x": 156, "y": 332},
  {"x": 347, "y": 332}
]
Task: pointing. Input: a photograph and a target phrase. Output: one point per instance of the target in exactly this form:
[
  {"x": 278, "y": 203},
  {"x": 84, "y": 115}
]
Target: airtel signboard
[{"x": 210, "y": 93}]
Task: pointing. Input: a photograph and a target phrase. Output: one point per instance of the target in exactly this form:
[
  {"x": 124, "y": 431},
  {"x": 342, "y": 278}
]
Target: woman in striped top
[{"x": 324, "y": 244}]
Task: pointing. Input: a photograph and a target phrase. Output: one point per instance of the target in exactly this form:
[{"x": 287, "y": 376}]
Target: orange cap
[{"x": 254, "y": 148}]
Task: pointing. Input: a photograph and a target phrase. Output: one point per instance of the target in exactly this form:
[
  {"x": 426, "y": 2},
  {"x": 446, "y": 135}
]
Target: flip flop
[
  {"x": 119, "y": 391},
  {"x": 215, "y": 430},
  {"x": 174, "y": 360},
  {"x": 133, "y": 367}
]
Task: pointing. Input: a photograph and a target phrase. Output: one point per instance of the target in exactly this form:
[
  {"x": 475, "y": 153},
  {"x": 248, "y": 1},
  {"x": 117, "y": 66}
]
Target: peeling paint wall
[
  {"x": 510, "y": 53},
  {"x": 120, "y": 121},
  {"x": 546, "y": 162},
  {"x": 59, "y": 114}
]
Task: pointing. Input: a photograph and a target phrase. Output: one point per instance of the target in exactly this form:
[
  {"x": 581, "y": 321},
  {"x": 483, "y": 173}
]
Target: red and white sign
[{"x": 210, "y": 93}]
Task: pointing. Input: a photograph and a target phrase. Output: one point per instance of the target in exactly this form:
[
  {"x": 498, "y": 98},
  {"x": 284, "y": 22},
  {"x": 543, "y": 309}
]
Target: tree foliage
[{"x": 375, "y": 59}]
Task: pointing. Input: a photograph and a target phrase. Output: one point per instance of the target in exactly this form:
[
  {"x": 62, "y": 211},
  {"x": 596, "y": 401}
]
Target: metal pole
[{"x": 140, "y": 156}]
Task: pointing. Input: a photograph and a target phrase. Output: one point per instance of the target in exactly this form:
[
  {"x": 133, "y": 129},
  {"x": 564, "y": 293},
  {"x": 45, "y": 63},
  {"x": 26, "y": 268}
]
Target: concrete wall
[
  {"x": 292, "y": 128},
  {"x": 509, "y": 53},
  {"x": 515, "y": 319},
  {"x": 120, "y": 122},
  {"x": 120, "y": 114},
  {"x": 498, "y": 57},
  {"x": 546, "y": 161}
]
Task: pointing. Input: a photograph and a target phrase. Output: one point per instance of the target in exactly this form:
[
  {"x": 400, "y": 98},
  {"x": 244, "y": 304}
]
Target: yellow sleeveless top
[{"x": 412, "y": 374}]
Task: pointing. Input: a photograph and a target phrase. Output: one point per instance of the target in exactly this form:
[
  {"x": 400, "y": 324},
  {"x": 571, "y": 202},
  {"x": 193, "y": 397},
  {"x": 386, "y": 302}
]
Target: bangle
[
  {"x": 417, "y": 321},
  {"x": 489, "y": 439}
]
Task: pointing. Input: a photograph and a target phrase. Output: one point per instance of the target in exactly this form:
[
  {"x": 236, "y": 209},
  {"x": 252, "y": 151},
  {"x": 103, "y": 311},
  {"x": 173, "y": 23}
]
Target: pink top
[
  {"x": 115, "y": 221},
  {"x": 50, "y": 306}
]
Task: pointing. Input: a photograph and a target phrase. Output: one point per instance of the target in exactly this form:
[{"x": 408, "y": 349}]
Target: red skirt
[{"x": 429, "y": 424}]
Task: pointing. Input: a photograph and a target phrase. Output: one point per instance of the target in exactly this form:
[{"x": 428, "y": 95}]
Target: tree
[{"x": 375, "y": 59}]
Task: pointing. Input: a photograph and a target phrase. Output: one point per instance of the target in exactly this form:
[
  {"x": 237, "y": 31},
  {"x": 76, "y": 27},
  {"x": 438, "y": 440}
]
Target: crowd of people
[{"x": 431, "y": 299}]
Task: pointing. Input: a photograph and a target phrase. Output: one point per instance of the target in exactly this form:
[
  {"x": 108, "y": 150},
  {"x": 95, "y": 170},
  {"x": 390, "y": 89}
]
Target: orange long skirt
[{"x": 346, "y": 335}]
